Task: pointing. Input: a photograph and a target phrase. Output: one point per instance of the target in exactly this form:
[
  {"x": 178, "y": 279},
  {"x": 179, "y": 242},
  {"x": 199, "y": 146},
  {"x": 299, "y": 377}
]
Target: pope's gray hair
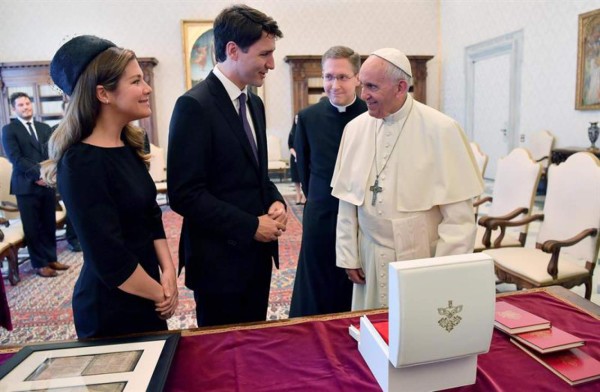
[{"x": 396, "y": 74}]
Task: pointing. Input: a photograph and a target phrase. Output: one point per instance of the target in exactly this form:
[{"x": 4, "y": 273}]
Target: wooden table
[{"x": 316, "y": 353}]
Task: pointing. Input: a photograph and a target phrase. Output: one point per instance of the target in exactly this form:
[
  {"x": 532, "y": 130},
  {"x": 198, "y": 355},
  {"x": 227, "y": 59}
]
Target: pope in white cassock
[{"x": 405, "y": 177}]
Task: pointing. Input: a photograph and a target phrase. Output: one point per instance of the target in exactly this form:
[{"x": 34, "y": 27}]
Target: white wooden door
[{"x": 491, "y": 100}]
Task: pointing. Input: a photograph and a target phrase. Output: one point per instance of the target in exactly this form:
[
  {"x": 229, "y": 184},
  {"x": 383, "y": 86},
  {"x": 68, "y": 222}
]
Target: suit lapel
[{"x": 231, "y": 115}]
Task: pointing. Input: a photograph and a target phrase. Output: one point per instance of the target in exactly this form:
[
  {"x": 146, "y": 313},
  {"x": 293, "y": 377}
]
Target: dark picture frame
[
  {"x": 147, "y": 352},
  {"x": 588, "y": 62}
]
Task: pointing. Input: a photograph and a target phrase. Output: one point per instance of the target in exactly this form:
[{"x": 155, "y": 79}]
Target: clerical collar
[
  {"x": 400, "y": 114},
  {"x": 342, "y": 109}
]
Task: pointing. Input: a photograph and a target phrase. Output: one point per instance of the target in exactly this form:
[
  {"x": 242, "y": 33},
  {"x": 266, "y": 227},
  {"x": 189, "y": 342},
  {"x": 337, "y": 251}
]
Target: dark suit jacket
[
  {"x": 216, "y": 185},
  {"x": 25, "y": 154}
]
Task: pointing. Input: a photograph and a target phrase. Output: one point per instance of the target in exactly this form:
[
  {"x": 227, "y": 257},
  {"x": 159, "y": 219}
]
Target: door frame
[{"x": 511, "y": 44}]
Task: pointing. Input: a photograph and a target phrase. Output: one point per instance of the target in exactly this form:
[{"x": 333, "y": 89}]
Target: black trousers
[
  {"x": 240, "y": 307},
  {"x": 38, "y": 215},
  {"x": 70, "y": 231}
]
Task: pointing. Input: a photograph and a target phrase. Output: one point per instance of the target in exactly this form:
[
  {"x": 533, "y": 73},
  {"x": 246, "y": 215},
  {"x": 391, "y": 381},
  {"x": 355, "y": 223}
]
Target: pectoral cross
[{"x": 375, "y": 188}]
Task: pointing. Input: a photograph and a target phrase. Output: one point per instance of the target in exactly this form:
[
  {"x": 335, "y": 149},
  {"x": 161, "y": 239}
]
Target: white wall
[
  {"x": 550, "y": 29},
  {"x": 35, "y": 29}
]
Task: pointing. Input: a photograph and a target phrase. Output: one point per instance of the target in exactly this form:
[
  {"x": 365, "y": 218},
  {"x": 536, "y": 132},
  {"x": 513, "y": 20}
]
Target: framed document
[{"x": 112, "y": 365}]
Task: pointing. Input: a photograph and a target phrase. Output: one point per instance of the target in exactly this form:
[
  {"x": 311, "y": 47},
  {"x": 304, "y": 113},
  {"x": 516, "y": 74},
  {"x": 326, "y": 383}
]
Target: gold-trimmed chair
[
  {"x": 567, "y": 244},
  {"x": 540, "y": 145},
  {"x": 482, "y": 160},
  {"x": 158, "y": 169},
  {"x": 480, "y": 157},
  {"x": 516, "y": 181},
  {"x": 12, "y": 235},
  {"x": 276, "y": 165}
]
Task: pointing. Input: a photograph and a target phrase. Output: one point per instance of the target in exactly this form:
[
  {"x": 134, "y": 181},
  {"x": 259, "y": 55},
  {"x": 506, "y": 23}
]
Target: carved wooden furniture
[
  {"x": 12, "y": 229},
  {"x": 517, "y": 176},
  {"x": 33, "y": 78},
  {"x": 568, "y": 241},
  {"x": 307, "y": 85},
  {"x": 540, "y": 146},
  {"x": 561, "y": 154}
]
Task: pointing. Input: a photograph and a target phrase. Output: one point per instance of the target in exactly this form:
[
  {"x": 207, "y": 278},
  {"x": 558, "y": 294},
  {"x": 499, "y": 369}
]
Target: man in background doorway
[
  {"x": 217, "y": 175},
  {"x": 405, "y": 177},
  {"x": 25, "y": 143},
  {"x": 321, "y": 287}
]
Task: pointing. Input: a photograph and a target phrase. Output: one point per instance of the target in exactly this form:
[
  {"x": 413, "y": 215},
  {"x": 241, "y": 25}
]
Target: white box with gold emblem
[{"x": 441, "y": 316}]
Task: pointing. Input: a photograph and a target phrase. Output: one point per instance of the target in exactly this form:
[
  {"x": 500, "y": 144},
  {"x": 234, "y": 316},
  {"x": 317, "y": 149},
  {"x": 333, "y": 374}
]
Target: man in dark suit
[
  {"x": 25, "y": 144},
  {"x": 217, "y": 175}
]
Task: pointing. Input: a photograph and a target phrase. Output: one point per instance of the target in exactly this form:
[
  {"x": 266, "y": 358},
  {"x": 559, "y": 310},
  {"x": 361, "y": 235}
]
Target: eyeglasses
[{"x": 340, "y": 78}]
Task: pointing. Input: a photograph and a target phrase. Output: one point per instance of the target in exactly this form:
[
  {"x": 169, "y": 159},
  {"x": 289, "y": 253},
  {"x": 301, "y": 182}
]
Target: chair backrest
[
  {"x": 157, "y": 164},
  {"x": 274, "y": 148},
  {"x": 5, "y": 174},
  {"x": 517, "y": 177},
  {"x": 540, "y": 146},
  {"x": 573, "y": 204},
  {"x": 480, "y": 158}
]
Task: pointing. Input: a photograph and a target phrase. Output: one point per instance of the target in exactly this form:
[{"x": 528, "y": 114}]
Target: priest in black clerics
[{"x": 320, "y": 286}]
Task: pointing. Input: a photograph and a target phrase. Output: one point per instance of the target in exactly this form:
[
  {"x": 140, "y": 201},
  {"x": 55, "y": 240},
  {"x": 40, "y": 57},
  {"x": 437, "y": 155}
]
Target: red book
[
  {"x": 381, "y": 326},
  {"x": 549, "y": 340},
  {"x": 573, "y": 366},
  {"x": 514, "y": 320}
]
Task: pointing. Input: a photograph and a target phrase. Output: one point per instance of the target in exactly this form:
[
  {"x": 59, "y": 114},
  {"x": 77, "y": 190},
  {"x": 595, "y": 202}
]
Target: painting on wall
[
  {"x": 588, "y": 62},
  {"x": 198, "y": 50}
]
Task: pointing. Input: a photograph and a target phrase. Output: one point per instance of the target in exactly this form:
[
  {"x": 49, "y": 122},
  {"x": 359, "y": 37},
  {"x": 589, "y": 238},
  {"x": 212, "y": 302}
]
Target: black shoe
[{"x": 74, "y": 246}]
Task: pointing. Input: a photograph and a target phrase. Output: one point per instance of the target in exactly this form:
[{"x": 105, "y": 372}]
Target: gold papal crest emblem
[{"x": 451, "y": 318}]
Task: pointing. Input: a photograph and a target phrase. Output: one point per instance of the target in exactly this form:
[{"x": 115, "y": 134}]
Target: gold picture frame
[
  {"x": 198, "y": 50},
  {"x": 588, "y": 62}
]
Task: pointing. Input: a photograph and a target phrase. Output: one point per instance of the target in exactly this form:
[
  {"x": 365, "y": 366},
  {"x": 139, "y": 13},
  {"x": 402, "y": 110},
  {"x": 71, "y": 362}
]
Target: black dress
[
  {"x": 320, "y": 286},
  {"x": 111, "y": 200}
]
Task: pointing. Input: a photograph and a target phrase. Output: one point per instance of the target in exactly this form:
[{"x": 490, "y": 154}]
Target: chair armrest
[
  {"x": 489, "y": 222},
  {"x": 503, "y": 224},
  {"x": 8, "y": 206},
  {"x": 551, "y": 245},
  {"x": 495, "y": 223},
  {"x": 554, "y": 246},
  {"x": 481, "y": 201},
  {"x": 486, "y": 220}
]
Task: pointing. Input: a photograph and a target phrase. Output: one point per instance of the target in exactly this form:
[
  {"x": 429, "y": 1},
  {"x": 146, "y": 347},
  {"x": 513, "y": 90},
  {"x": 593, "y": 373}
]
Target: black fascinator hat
[{"x": 73, "y": 57}]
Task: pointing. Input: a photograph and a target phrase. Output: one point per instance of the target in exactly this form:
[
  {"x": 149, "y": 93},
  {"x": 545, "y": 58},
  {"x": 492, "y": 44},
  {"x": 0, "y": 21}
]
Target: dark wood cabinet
[
  {"x": 33, "y": 78},
  {"x": 307, "y": 85},
  {"x": 560, "y": 155}
]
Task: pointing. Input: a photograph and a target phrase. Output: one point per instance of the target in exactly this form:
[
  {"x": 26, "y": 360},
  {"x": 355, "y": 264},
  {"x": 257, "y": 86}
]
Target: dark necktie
[
  {"x": 247, "y": 129},
  {"x": 31, "y": 131}
]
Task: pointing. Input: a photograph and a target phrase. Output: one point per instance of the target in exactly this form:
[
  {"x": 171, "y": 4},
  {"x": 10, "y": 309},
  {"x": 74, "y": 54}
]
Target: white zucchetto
[{"x": 395, "y": 57}]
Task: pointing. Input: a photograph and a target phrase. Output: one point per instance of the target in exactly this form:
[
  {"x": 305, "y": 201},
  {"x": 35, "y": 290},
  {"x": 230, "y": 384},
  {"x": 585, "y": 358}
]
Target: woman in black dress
[{"x": 128, "y": 281}]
